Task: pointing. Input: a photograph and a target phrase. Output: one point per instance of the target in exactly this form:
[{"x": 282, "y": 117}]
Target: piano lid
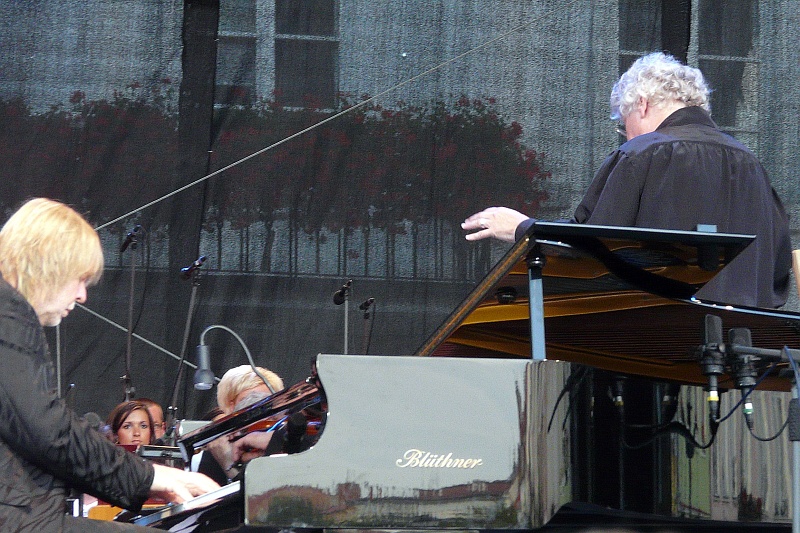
[{"x": 615, "y": 298}]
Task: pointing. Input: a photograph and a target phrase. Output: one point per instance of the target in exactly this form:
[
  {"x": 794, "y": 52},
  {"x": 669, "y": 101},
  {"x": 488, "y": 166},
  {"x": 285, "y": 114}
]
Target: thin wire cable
[
  {"x": 302, "y": 132},
  {"x": 337, "y": 115},
  {"x": 747, "y": 394},
  {"x": 136, "y": 335}
]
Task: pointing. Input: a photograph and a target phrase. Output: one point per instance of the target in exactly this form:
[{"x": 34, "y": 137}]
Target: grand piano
[{"x": 471, "y": 432}]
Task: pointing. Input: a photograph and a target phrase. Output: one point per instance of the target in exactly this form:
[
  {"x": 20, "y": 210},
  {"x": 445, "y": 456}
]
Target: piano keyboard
[{"x": 200, "y": 502}]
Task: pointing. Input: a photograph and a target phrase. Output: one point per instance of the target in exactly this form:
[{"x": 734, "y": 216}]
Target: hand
[
  {"x": 498, "y": 222},
  {"x": 251, "y": 446},
  {"x": 222, "y": 451},
  {"x": 177, "y": 486}
]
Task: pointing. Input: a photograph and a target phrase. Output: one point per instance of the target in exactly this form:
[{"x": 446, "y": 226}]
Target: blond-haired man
[
  {"x": 49, "y": 256},
  {"x": 237, "y": 382},
  {"x": 239, "y": 387}
]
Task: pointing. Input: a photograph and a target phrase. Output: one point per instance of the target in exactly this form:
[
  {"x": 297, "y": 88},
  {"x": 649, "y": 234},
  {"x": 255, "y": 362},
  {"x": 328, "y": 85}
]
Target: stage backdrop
[{"x": 299, "y": 145}]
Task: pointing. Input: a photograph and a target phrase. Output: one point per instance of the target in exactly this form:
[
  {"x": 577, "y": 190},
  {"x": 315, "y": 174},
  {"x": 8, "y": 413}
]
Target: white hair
[{"x": 660, "y": 79}]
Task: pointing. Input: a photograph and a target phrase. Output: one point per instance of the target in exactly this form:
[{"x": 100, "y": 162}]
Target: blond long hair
[{"x": 45, "y": 245}]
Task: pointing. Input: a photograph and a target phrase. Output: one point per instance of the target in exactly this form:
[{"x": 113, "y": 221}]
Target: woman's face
[{"x": 135, "y": 429}]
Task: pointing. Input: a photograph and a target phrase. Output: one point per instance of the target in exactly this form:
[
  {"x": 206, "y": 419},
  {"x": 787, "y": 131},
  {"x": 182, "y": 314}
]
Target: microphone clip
[
  {"x": 340, "y": 296},
  {"x": 131, "y": 239},
  {"x": 365, "y": 305},
  {"x": 194, "y": 268}
]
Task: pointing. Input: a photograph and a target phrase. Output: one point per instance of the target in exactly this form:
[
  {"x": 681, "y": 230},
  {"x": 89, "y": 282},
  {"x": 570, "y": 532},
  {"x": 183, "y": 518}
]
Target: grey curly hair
[{"x": 660, "y": 79}]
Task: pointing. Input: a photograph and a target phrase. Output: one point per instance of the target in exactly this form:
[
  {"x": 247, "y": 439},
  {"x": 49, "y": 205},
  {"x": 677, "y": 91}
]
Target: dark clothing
[
  {"x": 44, "y": 446},
  {"x": 687, "y": 173},
  {"x": 210, "y": 467}
]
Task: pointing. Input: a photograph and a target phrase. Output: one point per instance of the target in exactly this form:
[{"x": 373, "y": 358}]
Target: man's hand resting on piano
[
  {"x": 498, "y": 222},
  {"x": 177, "y": 486},
  {"x": 250, "y": 446}
]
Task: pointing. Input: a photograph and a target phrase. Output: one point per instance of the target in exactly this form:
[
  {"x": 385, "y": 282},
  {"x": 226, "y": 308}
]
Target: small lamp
[{"x": 204, "y": 377}]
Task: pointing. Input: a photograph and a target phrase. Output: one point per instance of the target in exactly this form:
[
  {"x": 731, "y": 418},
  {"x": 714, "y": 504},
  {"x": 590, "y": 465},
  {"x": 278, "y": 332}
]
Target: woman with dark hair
[{"x": 131, "y": 424}]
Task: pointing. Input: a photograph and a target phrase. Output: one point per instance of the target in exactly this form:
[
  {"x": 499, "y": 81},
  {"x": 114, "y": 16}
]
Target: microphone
[
  {"x": 130, "y": 238},
  {"x": 340, "y": 295},
  {"x": 366, "y": 303},
  {"x": 744, "y": 370},
  {"x": 186, "y": 272},
  {"x": 712, "y": 362},
  {"x": 618, "y": 395},
  {"x": 203, "y": 376}
]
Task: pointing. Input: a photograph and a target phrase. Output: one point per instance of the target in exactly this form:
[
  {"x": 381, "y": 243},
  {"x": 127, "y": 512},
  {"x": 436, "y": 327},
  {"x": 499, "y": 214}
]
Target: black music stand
[{"x": 599, "y": 259}]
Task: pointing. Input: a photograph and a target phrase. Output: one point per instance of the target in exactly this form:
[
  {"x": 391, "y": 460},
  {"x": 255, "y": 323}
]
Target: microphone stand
[
  {"x": 366, "y": 335},
  {"x": 346, "y": 319},
  {"x": 342, "y": 296},
  {"x": 131, "y": 241},
  {"x": 172, "y": 409},
  {"x": 738, "y": 354}
]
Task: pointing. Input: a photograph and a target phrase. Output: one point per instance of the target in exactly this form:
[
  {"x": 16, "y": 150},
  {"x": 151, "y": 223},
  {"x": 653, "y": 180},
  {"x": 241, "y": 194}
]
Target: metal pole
[
  {"x": 346, "y": 320},
  {"x": 795, "y": 463},
  {"x": 536, "y": 260}
]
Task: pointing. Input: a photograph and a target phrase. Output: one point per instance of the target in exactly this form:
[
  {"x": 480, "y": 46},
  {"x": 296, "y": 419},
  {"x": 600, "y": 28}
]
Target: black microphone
[
  {"x": 743, "y": 367},
  {"x": 366, "y": 303},
  {"x": 130, "y": 238},
  {"x": 712, "y": 362},
  {"x": 186, "y": 272},
  {"x": 340, "y": 295}
]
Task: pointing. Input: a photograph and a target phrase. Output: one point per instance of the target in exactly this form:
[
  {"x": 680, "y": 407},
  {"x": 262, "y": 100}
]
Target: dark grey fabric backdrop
[{"x": 111, "y": 105}]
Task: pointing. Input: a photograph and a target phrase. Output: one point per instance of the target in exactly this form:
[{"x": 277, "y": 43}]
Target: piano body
[{"x": 472, "y": 432}]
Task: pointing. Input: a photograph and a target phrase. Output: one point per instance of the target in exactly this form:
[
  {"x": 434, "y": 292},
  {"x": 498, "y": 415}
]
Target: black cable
[
  {"x": 775, "y": 436},
  {"x": 574, "y": 379},
  {"x": 747, "y": 394},
  {"x": 680, "y": 429}
]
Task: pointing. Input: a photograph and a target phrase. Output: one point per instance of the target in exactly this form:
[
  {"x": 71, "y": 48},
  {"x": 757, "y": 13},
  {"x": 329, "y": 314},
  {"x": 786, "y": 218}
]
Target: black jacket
[
  {"x": 43, "y": 445},
  {"x": 686, "y": 173}
]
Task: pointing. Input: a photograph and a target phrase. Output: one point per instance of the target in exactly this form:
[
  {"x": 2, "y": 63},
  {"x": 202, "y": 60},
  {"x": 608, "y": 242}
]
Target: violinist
[
  {"x": 238, "y": 388},
  {"x": 237, "y": 382}
]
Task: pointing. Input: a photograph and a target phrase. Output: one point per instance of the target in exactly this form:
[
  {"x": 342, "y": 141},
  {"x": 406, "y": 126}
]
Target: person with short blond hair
[
  {"x": 240, "y": 380},
  {"x": 239, "y": 387},
  {"x": 49, "y": 255}
]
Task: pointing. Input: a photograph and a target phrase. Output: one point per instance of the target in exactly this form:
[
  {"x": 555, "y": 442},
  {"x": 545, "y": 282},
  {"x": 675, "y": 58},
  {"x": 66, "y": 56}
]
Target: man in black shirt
[
  {"x": 676, "y": 171},
  {"x": 49, "y": 255}
]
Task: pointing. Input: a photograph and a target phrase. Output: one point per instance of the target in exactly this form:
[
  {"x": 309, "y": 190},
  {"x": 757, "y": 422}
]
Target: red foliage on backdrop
[{"x": 371, "y": 167}]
